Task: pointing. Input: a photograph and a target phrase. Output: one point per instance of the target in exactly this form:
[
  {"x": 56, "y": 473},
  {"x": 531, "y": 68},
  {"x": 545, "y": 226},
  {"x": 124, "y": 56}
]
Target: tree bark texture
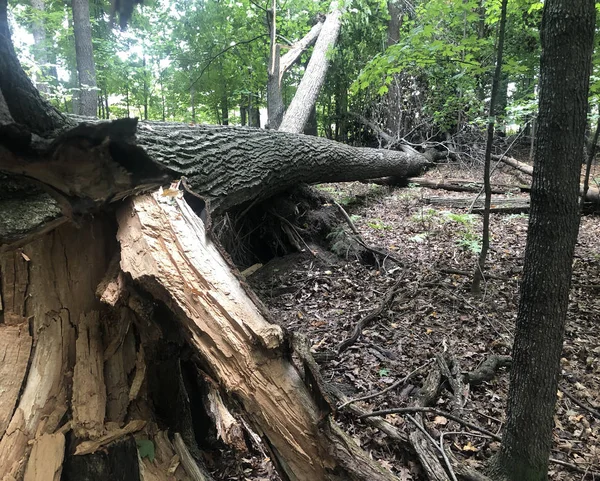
[
  {"x": 84, "y": 53},
  {"x": 229, "y": 167},
  {"x": 306, "y": 96},
  {"x": 567, "y": 42}
]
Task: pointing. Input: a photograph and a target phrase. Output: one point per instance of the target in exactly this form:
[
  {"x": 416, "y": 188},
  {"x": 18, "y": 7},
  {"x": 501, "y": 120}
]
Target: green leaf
[{"x": 145, "y": 448}]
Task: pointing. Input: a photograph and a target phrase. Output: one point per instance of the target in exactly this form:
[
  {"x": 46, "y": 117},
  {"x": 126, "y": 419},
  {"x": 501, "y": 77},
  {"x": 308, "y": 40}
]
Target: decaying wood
[
  {"x": 89, "y": 391},
  {"x": 15, "y": 347},
  {"x": 166, "y": 251},
  {"x": 229, "y": 430},
  {"x": 89, "y": 447},
  {"x": 46, "y": 459},
  {"x": 64, "y": 268},
  {"x": 192, "y": 468}
]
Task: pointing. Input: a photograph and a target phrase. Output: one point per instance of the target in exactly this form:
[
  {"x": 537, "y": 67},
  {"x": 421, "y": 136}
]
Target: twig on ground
[
  {"x": 439, "y": 412},
  {"x": 398, "y": 383},
  {"x": 458, "y": 272},
  {"x": 361, "y": 241},
  {"x": 389, "y": 296},
  {"x": 593, "y": 412},
  {"x": 574, "y": 467},
  {"x": 440, "y": 447}
]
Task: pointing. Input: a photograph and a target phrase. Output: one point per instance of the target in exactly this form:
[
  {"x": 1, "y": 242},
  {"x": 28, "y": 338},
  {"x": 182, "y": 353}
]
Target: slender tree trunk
[
  {"x": 567, "y": 42},
  {"x": 193, "y": 103},
  {"x": 106, "y": 108},
  {"x": 224, "y": 110},
  {"x": 485, "y": 244},
  {"x": 41, "y": 45},
  {"x": 146, "y": 88},
  {"x": 86, "y": 68},
  {"x": 306, "y": 96}
]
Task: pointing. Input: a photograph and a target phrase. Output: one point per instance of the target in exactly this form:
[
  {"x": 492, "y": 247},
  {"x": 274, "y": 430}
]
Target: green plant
[{"x": 378, "y": 224}]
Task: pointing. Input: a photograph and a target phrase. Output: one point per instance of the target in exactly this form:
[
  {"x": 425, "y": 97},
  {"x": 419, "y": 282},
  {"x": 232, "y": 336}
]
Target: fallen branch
[
  {"x": 398, "y": 383},
  {"x": 593, "y": 412},
  {"x": 437, "y": 412},
  {"x": 487, "y": 370},
  {"x": 460, "y": 185},
  {"x": 449, "y": 270},
  {"x": 389, "y": 296}
]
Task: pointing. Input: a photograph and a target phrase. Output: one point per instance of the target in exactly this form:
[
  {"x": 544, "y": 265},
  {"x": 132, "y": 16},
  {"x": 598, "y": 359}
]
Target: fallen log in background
[
  {"x": 461, "y": 185},
  {"x": 592, "y": 195},
  {"x": 512, "y": 206}
]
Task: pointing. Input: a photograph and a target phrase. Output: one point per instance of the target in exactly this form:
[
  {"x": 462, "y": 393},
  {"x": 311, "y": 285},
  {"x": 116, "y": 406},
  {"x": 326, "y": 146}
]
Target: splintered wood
[{"x": 165, "y": 249}]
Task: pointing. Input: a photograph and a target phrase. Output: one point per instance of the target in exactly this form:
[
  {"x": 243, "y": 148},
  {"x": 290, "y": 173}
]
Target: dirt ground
[{"x": 433, "y": 313}]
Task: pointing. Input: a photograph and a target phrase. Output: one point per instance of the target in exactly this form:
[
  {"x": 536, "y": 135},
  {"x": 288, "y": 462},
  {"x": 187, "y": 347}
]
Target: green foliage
[{"x": 146, "y": 449}]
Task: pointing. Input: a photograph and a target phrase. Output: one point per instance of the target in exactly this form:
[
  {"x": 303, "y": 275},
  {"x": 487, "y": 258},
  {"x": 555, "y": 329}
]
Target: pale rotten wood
[
  {"x": 46, "y": 459},
  {"x": 164, "y": 246},
  {"x": 64, "y": 269},
  {"x": 89, "y": 392},
  {"x": 89, "y": 447},
  {"x": 228, "y": 428},
  {"x": 15, "y": 347},
  {"x": 192, "y": 468},
  {"x": 165, "y": 249}
]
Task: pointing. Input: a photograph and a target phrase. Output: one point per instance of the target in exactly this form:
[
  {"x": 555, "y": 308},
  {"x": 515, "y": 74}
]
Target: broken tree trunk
[
  {"x": 165, "y": 249},
  {"x": 279, "y": 65},
  {"x": 297, "y": 114}
]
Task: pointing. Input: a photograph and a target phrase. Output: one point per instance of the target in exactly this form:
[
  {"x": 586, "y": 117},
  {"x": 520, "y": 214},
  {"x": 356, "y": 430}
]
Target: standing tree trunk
[
  {"x": 485, "y": 244},
  {"x": 278, "y": 66},
  {"x": 299, "y": 110},
  {"x": 86, "y": 69},
  {"x": 567, "y": 41},
  {"x": 41, "y": 46}
]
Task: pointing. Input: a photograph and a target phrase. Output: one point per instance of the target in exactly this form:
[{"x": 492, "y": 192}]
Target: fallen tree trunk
[
  {"x": 460, "y": 185},
  {"x": 94, "y": 164},
  {"x": 592, "y": 195}
]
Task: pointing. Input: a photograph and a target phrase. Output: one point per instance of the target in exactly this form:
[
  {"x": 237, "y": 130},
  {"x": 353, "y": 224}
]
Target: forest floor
[{"x": 434, "y": 313}]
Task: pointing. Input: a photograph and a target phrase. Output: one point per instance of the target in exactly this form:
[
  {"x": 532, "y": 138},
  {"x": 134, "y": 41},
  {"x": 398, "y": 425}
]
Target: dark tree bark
[
  {"x": 86, "y": 68},
  {"x": 229, "y": 167},
  {"x": 567, "y": 42}
]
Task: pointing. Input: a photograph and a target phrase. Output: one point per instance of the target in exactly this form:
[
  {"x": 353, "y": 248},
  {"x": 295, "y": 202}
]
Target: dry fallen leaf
[{"x": 440, "y": 420}]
